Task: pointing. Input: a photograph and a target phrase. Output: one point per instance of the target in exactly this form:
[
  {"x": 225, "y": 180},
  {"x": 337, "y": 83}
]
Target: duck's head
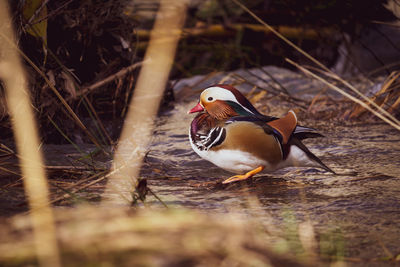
[{"x": 223, "y": 101}]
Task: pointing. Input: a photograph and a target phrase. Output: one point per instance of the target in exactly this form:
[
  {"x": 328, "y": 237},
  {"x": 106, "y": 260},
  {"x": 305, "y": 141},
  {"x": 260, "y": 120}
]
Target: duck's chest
[{"x": 205, "y": 133}]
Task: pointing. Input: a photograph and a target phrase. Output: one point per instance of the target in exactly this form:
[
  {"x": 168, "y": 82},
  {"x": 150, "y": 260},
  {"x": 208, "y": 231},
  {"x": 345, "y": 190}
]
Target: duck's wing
[
  {"x": 288, "y": 133},
  {"x": 260, "y": 122},
  {"x": 301, "y": 132}
]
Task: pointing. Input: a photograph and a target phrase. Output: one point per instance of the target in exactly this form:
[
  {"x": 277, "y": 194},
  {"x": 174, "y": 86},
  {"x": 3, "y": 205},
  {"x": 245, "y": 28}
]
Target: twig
[
  {"x": 110, "y": 78},
  {"x": 228, "y": 30},
  {"x": 182, "y": 93},
  {"x": 269, "y": 83},
  {"x": 284, "y": 89},
  {"x": 54, "y": 11},
  {"x": 36, "y": 13}
]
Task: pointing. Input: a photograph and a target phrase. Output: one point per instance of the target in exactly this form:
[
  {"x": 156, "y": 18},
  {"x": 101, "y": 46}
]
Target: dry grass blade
[
  {"x": 337, "y": 89},
  {"x": 395, "y": 105},
  {"x": 65, "y": 136},
  {"x": 119, "y": 74},
  {"x": 76, "y": 189},
  {"x": 6, "y": 149},
  {"x": 27, "y": 141},
  {"x": 389, "y": 90},
  {"x": 102, "y": 129},
  {"x": 370, "y": 102},
  {"x": 55, "y": 91},
  {"x": 386, "y": 115},
  {"x": 187, "y": 90},
  {"x": 148, "y": 93},
  {"x": 9, "y": 171},
  {"x": 299, "y": 102}
]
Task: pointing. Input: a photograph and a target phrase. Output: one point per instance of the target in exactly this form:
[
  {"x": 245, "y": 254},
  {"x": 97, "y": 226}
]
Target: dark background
[{"x": 87, "y": 41}]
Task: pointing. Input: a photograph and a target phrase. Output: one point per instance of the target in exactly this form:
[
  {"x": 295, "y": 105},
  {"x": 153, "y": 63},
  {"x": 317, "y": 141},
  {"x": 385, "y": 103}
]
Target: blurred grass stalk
[
  {"x": 138, "y": 126},
  {"x": 27, "y": 141}
]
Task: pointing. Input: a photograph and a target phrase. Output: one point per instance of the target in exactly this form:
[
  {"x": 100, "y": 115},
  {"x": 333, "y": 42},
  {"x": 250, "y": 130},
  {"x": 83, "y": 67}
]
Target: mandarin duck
[{"x": 233, "y": 135}]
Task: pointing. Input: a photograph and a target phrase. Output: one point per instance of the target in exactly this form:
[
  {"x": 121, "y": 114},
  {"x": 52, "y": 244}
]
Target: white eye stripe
[{"x": 219, "y": 93}]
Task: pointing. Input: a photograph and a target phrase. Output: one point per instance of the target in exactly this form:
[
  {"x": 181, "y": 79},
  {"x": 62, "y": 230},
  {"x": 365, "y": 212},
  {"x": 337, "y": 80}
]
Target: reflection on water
[{"x": 363, "y": 201}]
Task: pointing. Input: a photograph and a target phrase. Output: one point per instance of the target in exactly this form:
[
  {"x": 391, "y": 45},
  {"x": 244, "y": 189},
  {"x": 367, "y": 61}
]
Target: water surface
[{"x": 361, "y": 203}]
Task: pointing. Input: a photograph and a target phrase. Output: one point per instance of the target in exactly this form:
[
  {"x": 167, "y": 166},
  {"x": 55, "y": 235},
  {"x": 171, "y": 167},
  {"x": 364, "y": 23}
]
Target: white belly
[{"x": 235, "y": 161}]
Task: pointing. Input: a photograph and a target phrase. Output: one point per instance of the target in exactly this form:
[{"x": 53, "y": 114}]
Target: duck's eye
[{"x": 210, "y": 98}]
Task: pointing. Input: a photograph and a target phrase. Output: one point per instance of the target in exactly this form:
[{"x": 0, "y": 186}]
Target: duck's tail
[
  {"x": 296, "y": 141},
  {"x": 302, "y": 132}
]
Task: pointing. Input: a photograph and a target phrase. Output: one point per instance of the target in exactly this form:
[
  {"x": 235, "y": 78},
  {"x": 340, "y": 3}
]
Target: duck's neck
[{"x": 202, "y": 122}]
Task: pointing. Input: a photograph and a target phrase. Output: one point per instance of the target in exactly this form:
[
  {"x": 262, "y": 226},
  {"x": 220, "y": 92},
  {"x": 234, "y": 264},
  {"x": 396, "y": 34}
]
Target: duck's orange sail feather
[{"x": 285, "y": 126}]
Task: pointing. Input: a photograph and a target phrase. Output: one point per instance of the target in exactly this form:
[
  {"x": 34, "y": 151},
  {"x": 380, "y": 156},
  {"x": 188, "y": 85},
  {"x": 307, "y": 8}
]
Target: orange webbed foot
[{"x": 241, "y": 177}]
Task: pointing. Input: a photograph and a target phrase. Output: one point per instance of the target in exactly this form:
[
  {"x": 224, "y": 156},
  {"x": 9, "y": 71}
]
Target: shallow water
[{"x": 362, "y": 202}]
